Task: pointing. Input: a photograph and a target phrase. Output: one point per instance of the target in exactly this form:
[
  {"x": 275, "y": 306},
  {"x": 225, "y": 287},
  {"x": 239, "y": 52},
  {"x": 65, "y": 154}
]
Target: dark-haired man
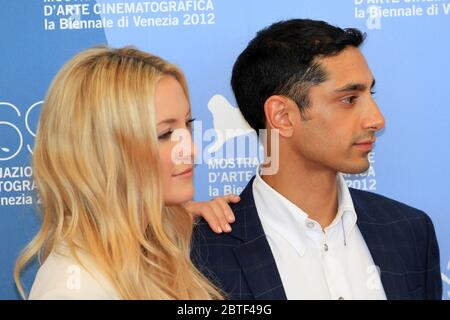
[{"x": 302, "y": 233}]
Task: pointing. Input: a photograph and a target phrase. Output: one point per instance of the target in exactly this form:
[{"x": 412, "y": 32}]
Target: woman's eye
[
  {"x": 189, "y": 122},
  {"x": 165, "y": 135}
]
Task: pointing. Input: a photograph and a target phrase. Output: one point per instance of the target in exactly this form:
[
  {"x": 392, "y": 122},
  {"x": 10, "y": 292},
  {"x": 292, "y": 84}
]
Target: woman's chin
[{"x": 180, "y": 195}]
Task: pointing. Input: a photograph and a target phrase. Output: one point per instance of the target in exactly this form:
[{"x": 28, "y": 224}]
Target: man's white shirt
[{"x": 315, "y": 263}]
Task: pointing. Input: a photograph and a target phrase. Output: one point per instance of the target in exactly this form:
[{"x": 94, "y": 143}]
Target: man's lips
[
  {"x": 187, "y": 171},
  {"x": 365, "y": 144}
]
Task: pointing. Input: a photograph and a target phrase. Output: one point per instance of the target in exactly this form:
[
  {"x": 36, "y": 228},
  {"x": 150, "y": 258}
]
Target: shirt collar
[
  {"x": 346, "y": 210},
  {"x": 289, "y": 221}
]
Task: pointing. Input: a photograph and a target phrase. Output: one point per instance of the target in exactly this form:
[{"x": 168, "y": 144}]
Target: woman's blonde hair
[{"x": 96, "y": 167}]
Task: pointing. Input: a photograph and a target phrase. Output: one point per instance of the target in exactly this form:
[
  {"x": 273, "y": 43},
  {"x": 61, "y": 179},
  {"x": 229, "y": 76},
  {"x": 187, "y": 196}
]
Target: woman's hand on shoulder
[{"x": 216, "y": 212}]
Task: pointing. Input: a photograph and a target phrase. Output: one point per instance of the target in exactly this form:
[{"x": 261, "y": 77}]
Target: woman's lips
[{"x": 185, "y": 173}]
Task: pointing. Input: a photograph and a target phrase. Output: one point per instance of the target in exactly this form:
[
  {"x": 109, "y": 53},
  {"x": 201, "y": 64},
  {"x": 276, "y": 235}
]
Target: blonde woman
[{"x": 115, "y": 224}]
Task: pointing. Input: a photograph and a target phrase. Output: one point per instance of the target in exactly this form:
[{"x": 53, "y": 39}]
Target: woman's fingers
[
  {"x": 208, "y": 213},
  {"x": 216, "y": 212},
  {"x": 233, "y": 198},
  {"x": 220, "y": 207},
  {"x": 226, "y": 210}
]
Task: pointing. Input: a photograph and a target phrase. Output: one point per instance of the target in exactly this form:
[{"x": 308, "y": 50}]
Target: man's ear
[{"x": 278, "y": 115}]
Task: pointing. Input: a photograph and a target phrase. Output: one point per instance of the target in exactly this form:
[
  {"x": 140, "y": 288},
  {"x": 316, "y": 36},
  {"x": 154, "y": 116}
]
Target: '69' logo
[{"x": 12, "y": 141}]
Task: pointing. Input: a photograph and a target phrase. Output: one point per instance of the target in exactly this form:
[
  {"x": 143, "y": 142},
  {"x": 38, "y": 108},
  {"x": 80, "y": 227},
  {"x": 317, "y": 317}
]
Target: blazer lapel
[
  {"x": 254, "y": 255},
  {"x": 259, "y": 267},
  {"x": 381, "y": 247}
]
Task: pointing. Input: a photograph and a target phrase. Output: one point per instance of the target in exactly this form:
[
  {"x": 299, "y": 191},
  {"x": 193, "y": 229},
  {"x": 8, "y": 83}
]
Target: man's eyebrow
[
  {"x": 173, "y": 120},
  {"x": 355, "y": 87}
]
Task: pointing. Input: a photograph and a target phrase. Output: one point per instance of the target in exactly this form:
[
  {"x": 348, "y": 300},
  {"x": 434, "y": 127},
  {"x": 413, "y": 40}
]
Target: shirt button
[
  {"x": 310, "y": 224},
  {"x": 341, "y": 298},
  {"x": 325, "y": 247}
]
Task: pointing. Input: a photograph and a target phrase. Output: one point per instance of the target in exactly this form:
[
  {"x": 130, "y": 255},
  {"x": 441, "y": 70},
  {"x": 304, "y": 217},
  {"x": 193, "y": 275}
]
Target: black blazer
[{"x": 401, "y": 240}]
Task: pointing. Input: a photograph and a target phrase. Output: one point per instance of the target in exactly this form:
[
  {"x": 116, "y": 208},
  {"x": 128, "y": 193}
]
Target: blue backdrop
[{"x": 407, "y": 49}]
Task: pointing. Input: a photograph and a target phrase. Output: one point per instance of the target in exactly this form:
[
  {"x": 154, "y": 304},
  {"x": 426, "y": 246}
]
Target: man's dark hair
[{"x": 280, "y": 60}]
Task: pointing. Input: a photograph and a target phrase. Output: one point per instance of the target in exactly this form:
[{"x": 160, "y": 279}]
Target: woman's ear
[{"x": 278, "y": 115}]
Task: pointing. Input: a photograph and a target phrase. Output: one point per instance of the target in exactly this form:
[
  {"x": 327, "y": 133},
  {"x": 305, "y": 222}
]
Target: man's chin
[{"x": 356, "y": 168}]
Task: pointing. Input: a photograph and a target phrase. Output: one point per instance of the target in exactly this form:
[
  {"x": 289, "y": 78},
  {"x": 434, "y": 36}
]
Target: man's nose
[{"x": 375, "y": 119}]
